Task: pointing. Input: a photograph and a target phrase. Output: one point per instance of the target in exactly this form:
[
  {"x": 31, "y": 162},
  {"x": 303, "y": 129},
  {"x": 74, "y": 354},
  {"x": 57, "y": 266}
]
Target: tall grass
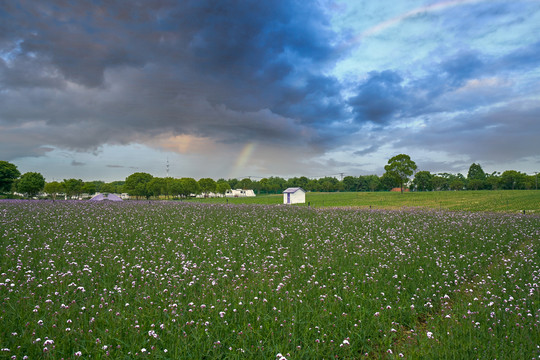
[
  {"x": 171, "y": 280},
  {"x": 503, "y": 200}
]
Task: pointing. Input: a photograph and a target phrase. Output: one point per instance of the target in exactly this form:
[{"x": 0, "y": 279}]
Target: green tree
[
  {"x": 330, "y": 184},
  {"x": 313, "y": 185},
  {"x": 476, "y": 172},
  {"x": 475, "y": 184},
  {"x": 245, "y": 184},
  {"x": 298, "y": 182},
  {"x": 457, "y": 184},
  {"x": 439, "y": 183},
  {"x": 233, "y": 183},
  {"x": 277, "y": 184},
  {"x": 372, "y": 182},
  {"x": 493, "y": 180},
  {"x": 89, "y": 188},
  {"x": 98, "y": 185},
  {"x": 222, "y": 186},
  {"x": 31, "y": 183},
  {"x": 53, "y": 188},
  {"x": 73, "y": 187},
  {"x": 8, "y": 174},
  {"x": 157, "y": 186},
  {"x": 190, "y": 186},
  {"x": 512, "y": 179},
  {"x": 400, "y": 167},
  {"x": 388, "y": 182},
  {"x": 350, "y": 183},
  {"x": 423, "y": 181},
  {"x": 137, "y": 184},
  {"x": 207, "y": 185},
  {"x": 107, "y": 188},
  {"x": 118, "y": 186},
  {"x": 476, "y": 177},
  {"x": 176, "y": 187}
]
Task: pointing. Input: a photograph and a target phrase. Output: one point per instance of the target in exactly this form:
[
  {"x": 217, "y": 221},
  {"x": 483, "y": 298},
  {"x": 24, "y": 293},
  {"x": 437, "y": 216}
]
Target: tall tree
[
  {"x": 157, "y": 186},
  {"x": 401, "y": 167},
  {"x": 423, "y": 181},
  {"x": 207, "y": 185},
  {"x": 73, "y": 187},
  {"x": 493, "y": 180},
  {"x": 372, "y": 182},
  {"x": 89, "y": 188},
  {"x": 476, "y": 177},
  {"x": 476, "y": 172},
  {"x": 387, "y": 182},
  {"x": 222, "y": 186},
  {"x": 175, "y": 186},
  {"x": 137, "y": 184},
  {"x": 8, "y": 174},
  {"x": 512, "y": 179},
  {"x": 53, "y": 188},
  {"x": 190, "y": 186},
  {"x": 31, "y": 183},
  {"x": 245, "y": 184},
  {"x": 350, "y": 183}
]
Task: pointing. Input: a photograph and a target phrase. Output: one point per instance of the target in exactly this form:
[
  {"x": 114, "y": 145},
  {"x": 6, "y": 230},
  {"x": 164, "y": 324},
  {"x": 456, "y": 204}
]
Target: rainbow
[
  {"x": 397, "y": 19},
  {"x": 242, "y": 158}
]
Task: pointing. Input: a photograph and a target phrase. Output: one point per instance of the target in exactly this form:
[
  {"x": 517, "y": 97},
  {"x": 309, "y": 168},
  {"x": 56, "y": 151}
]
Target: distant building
[
  {"x": 399, "y": 190},
  {"x": 239, "y": 193},
  {"x": 209, "y": 195},
  {"x": 295, "y": 195}
]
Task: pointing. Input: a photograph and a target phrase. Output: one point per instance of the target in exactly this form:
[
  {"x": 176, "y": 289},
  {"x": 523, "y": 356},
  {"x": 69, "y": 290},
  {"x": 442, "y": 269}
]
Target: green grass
[{"x": 503, "y": 200}]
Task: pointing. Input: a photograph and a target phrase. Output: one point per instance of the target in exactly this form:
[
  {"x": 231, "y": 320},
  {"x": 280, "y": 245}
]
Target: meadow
[
  {"x": 484, "y": 200},
  {"x": 184, "y": 280}
]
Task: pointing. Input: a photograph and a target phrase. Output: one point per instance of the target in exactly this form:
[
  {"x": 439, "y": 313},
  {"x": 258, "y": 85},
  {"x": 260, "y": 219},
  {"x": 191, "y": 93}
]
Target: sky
[{"x": 100, "y": 89}]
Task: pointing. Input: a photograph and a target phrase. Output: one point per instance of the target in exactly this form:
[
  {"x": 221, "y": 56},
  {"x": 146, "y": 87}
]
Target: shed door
[{"x": 288, "y": 198}]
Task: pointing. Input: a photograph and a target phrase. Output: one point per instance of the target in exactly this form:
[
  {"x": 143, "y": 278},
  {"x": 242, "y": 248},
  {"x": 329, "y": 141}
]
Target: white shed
[{"x": 294, "y": 195}]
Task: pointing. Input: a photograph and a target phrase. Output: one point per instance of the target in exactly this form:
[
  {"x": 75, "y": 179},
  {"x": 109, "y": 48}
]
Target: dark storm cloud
[
  {"x": 380, "y": 98},
  {"x": 124, "y": 71},
  {"x": 80, "y": 74}
]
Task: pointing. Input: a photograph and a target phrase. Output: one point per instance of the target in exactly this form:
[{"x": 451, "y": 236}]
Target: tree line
[{"x": 399, "y": 174}]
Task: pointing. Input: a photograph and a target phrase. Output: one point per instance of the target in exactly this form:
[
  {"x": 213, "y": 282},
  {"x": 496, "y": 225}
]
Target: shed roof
[{"x": 293, "y": 190}]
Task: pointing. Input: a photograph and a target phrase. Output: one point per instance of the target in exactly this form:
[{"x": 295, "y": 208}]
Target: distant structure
[
  {"x": 239, "y": 193},
  {"x": 294, "y": 195},
  {"x": 102, "y": 197},
  {"x": 399, "y": 190}
]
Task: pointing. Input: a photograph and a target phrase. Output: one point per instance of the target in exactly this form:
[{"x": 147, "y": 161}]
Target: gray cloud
[
  {"x": 114, "y": 73},
  {"x": 78, "y": 75},
  {"x": 496, "y": 135}
]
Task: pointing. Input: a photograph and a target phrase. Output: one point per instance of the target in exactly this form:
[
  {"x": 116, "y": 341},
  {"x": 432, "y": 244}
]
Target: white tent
[{"x": 110, "y": 197}]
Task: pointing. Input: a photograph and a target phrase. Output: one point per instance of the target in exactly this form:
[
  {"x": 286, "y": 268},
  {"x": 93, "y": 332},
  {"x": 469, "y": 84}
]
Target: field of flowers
[{"x": 171, "y": 280}]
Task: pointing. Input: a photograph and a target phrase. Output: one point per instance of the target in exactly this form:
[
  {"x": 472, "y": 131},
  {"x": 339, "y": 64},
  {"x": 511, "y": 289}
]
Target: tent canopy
[{"x": 110, "y": 197}]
